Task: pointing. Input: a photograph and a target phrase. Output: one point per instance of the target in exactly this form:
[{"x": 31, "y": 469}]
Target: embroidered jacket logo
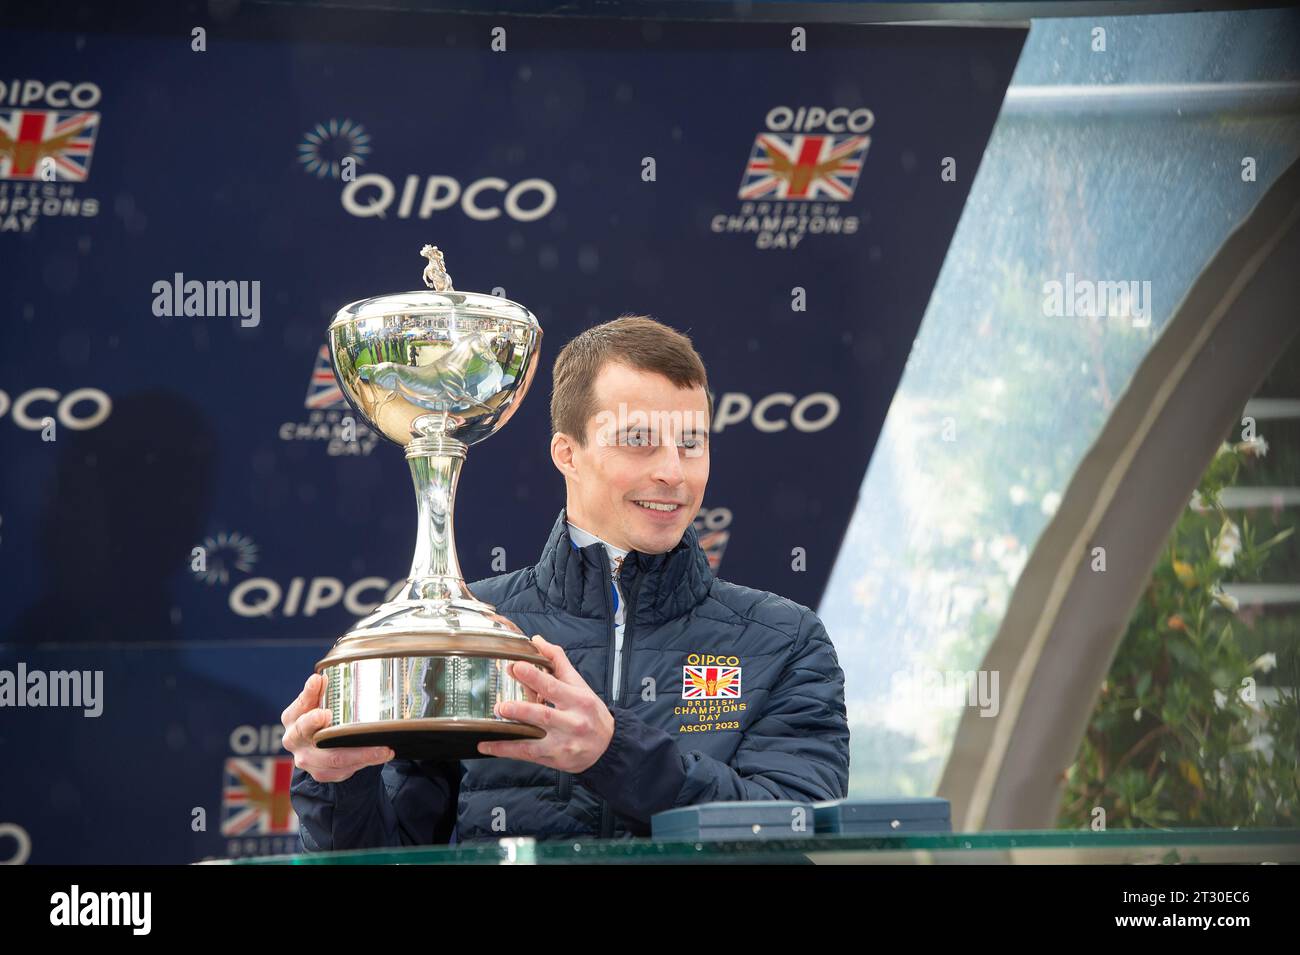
[{"x": 710, "y": 677}]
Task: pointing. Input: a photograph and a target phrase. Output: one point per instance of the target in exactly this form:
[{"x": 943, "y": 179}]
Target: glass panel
[{"x": 1008, "y": 385}]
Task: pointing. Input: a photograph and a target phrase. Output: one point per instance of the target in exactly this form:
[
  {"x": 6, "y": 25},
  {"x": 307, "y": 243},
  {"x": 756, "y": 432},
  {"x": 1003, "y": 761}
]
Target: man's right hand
[{"x": 303, "y": 719}]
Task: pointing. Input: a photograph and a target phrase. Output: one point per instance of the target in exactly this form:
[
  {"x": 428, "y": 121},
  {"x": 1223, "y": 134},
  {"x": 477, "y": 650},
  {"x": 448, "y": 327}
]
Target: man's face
[{"x": 647, "y": 444}]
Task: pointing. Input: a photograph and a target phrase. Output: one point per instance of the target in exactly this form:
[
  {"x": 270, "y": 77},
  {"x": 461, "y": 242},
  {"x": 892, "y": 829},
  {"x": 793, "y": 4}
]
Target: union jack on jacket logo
[
  {"x": 709, "y": 683},
  {"x": 804, "y": 166},
  {"x": 255, "y": 800},
  {"x": 33, "y": 138}
]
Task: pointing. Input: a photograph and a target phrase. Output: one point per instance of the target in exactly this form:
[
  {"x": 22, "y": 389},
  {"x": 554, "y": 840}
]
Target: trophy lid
[{"x": 440, "y": 299}]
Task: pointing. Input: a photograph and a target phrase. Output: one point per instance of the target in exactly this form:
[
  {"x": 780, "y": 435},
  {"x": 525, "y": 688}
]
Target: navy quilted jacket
[{"x": 783, "y": 735}]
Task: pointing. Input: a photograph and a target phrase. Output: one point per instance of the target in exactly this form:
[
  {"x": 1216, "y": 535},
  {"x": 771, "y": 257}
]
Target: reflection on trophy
[{"x": 434, "y": 371}]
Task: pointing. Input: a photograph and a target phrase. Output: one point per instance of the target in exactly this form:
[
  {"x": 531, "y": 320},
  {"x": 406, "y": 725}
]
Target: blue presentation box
[
  {"x": 757, "y": 820},
  {"x": 882, "y": 816}
]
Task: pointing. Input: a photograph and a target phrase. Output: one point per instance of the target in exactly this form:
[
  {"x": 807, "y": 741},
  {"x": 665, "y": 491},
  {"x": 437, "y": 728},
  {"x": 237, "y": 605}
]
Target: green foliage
[{"x": 1191, "y": 728}]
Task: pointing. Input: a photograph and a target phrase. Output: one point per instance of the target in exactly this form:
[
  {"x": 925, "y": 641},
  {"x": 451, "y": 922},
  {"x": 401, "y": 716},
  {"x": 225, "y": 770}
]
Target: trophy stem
[{"x": 435, "y": 468}]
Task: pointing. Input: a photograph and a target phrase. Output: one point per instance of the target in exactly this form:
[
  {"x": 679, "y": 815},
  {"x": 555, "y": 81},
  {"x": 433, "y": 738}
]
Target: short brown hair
[{"x": 637, "y": 341}]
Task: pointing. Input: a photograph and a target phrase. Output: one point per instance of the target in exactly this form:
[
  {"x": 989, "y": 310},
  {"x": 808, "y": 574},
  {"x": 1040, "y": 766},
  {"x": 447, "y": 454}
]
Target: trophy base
[
  {"x": 432, "y": 739},
  {"x": 424, "y": 678}
]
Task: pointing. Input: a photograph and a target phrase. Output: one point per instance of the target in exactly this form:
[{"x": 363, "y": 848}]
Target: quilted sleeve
[{"x": 402, "y": 803}]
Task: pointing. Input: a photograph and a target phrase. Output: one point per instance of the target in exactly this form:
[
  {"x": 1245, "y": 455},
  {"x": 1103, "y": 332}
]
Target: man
[{"x": 671, "y": 687}]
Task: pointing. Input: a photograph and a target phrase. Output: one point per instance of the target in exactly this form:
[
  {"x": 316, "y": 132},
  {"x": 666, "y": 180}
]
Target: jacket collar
[{"x": 576, "y": 579}]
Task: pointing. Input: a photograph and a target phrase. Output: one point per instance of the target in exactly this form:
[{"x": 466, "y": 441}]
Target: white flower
[
  {"x": 1220, "y": 699},
  {"x": 1256, "y": 446},
  {"x": 1264, "y": 662},
  {"x": 1051, "y": 501},
  {"x": 1197, "y": 503},
  {"x": 1227, "y": 544},
  {"x": 1227, "y": 601}
]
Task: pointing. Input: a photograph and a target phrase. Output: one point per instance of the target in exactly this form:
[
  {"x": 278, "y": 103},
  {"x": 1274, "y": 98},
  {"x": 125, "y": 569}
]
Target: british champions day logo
[
  {"x": 711, "y": 527},
  {"x": 257, "y": 817},
  {"x": 710, "y": 694},
  {"x": 43, "y": 150},
  {"x": 800, "y": 170},
  {"x": 330, "y": 418}
]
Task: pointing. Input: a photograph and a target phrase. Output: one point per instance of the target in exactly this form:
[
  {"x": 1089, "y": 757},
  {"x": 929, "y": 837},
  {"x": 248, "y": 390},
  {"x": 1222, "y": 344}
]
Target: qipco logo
[
  {"x": 783, "y": 119},
  {"x": 264, "y": 597},
  {"x": 60, "y": 95},
  {"x": 375, "y": 195},
  {"x": 777, "y": 411},
  {"x": 78, "y": 410}
]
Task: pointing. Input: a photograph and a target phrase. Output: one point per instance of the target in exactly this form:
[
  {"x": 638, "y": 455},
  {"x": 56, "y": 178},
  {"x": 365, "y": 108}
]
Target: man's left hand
[{"x": 578, "y": 727}]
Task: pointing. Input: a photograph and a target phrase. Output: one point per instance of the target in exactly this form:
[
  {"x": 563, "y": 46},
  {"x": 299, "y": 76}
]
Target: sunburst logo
[
  {"x": 225, "y": 553},
  {"x": 324, "y": 148}
]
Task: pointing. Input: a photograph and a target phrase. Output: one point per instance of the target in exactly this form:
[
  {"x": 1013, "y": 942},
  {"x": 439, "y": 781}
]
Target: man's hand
[
  {"x": 302, "y": 721},
  {"x": 578, "y": 727}
]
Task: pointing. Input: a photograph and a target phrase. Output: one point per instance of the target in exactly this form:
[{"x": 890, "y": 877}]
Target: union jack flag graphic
[
  {"x": 708, "y": 683},
  {"x": 30, "y": 137},
  {"x": 255, "y": 800},
  {"x": 323, "y": 392},
  {"x": 714, "y": 545},
  {"x": 804, "y": 166}
]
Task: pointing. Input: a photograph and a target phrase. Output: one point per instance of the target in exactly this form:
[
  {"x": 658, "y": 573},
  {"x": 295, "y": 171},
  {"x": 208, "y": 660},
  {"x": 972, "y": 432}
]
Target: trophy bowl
[{"x": 435, "y": 372}]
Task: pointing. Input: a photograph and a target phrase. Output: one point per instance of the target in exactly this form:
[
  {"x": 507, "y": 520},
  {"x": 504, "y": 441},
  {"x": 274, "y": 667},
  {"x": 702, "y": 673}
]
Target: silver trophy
[{"x": 434, "y": 371}]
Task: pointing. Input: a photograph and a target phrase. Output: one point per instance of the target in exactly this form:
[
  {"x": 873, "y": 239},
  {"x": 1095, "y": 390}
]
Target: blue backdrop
[{"x": 129, "y": 438}]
